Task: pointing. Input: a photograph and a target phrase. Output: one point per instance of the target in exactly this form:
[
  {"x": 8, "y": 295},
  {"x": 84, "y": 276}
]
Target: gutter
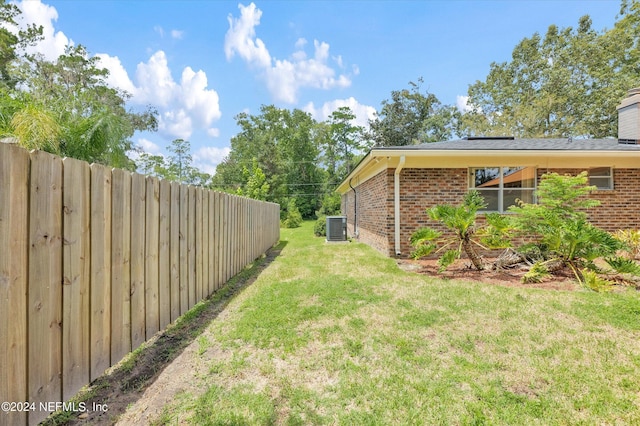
[
  {"x": 355, "y": 209},
  {"x": 396, "y": 202}
]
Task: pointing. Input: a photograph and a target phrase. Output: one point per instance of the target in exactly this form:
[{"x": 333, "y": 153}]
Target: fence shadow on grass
[{"x": 126, "y": 382}]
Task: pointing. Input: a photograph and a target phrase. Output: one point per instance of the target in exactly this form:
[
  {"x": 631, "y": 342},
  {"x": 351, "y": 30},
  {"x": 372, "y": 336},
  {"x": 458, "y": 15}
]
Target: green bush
[
  {"x": 320, "y": 227},
  {"x": 293, "y": 218}
]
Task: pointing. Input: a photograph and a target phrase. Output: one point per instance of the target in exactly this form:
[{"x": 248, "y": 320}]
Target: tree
[
  {"x": 177, "y": 167},
  {"x": 343, "y": 142},
  {"x": 11, "y": 42},
  {"x": 67, "y": 108},
  {"x": 180, "y": 161},
  {"x": 412, "y": 117},
  {"x": 284, "y": 145},
  {"x": 565, "y": 83},
  {"x": 256, "y": 186}
]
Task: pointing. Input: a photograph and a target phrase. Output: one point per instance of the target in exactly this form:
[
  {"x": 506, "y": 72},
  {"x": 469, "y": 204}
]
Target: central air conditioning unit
[{"x": 336, "y": 228}]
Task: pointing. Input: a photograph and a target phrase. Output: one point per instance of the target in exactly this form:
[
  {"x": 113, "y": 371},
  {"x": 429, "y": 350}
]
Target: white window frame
[
  {"x": 608, "y": 179},
  {"x": 501, "y": 188}
]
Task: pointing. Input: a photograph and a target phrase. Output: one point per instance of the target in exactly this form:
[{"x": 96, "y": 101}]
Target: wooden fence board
[
  {"x": 184, "y": 249},
  {"x": 205, "y": 245},
  {"x": 138, "y": 232},
  {"x": 164, "y": 274},
  {"x": 198, "y": 246},
  {"x": 151, "y": 267},
  {"x": 76, "y": 252},
  {"x": 45, "y": 281},
  {"x": 224, "y": 223},
  {"x": 212, "y": 245},
  {"x": 174, "y": 251},
  {"x": 100, "y": 333},
  {"x": 120, "y": 264},
  {"x": 218, "y": 238},
  {"x": 14, "y": 240},
  {"x": 191, "y": 247}
]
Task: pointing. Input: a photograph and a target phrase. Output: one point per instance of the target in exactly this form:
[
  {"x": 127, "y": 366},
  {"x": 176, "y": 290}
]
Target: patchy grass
[{"x": 338, "y": 334}]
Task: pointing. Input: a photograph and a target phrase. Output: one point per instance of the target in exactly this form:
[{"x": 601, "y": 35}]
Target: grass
[{"x": 338, "y": 334}]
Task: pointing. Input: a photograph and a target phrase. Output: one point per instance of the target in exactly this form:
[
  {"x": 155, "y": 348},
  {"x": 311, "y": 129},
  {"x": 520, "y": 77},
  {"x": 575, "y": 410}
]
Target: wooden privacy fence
[{"x": 95, "y": 261}]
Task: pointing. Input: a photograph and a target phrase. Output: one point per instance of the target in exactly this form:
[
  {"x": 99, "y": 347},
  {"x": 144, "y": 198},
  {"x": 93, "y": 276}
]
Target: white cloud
[
  {"x": 284, "y": 78},
  {"x": 182, "y": 106},
  {"x": 118, "y": 76},
  {"x": 241, "y": 37},
  {"x": 159, "y": 30},
  {"x": 177, "y": 34},
  {"x": 207, "y": 158},
  {"x": 147, "y": 146},
  {"x": 363, "y": 113},
  {"x": 462, "y": 102},
  {"x": 54, "y": 42}
]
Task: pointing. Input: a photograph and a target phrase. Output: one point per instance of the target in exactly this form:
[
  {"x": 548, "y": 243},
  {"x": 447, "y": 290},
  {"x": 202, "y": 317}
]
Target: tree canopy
[
  {"x": 567, "y": 82},
  {"x": 64, "y": 106},
  {"x": 411, "y": 117}
]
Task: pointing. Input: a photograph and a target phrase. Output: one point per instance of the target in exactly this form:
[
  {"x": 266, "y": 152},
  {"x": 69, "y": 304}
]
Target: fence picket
[
  {"x": 151, "y": 267},
  {"x": 14, "y": 241},
  {"x": 191, "y": 247},
  {"x": 75, "y": 281},
  {"x": 45, "y": 278},
  {"x": 164, "y": 264},
  {"x": 120, "y": 267},
  {"x": 100, "y": 287},
  {"x": 138, "y": 231},
  {"x": 174, "y": 251},
  {"x": 198, "y": 244},
  {"x": 184, "y": 249}
]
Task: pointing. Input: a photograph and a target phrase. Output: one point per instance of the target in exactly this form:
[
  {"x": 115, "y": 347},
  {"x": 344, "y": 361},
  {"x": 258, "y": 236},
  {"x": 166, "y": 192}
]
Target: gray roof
[{"x": 503, "y": 144}]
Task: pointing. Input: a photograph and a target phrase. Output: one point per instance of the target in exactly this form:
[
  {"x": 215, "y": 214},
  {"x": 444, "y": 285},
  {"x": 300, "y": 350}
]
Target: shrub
[
  {"x": 631, "y": 240},
  {"x": 320, "y": 228},
  {"x": 559, "y": 227},
  {"x": 462, "y": 220},
  {"x": 293, "y": 219}
]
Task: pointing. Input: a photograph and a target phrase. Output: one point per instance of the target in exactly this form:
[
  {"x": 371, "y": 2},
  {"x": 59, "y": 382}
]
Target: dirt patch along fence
[{"x": 94, "y": 261}]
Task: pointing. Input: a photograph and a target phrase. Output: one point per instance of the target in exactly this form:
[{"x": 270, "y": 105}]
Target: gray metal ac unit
[{"x": 336, "y": 228}]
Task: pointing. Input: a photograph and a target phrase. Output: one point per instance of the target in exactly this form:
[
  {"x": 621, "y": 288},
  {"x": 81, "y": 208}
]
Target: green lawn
[{"x": 337, "y": 334}]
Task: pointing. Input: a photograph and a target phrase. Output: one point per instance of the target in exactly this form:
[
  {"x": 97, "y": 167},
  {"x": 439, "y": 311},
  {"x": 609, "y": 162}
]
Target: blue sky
[{"x": 202, "y": 62}]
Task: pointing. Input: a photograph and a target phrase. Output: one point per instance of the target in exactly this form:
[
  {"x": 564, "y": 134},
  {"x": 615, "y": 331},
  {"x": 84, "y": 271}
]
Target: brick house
[{"x": 386, "y": 196}]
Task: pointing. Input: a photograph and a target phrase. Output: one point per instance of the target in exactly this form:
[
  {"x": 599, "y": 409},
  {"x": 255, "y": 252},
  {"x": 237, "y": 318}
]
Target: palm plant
[
  {"x": 559, "y": 228},
  {"x": 461, "y": 220}
]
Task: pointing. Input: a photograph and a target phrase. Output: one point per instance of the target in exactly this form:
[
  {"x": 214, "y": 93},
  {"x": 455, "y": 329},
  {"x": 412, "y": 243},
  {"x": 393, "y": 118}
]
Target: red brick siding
[
  {"x": 619, "y": 208},
  {"x": 421, "y": 189},
  {"x": 374, "y": 212}
]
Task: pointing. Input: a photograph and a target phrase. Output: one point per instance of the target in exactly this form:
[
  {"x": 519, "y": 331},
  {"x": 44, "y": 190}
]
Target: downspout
[
  {"x": 396, "y": 202},
  {"x": 355, "y": 209}
]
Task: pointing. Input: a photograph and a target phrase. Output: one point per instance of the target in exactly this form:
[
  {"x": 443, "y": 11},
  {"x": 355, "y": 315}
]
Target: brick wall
[
  {"x": 421, "y": 189},
  {"x": 375, "y": 212},
  {"x": 619, "y": 208}
]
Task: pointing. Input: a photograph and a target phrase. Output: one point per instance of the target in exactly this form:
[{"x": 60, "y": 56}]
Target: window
[
  {"x": 502, "y": 186},
  {"x": 601, "y": 177}
]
